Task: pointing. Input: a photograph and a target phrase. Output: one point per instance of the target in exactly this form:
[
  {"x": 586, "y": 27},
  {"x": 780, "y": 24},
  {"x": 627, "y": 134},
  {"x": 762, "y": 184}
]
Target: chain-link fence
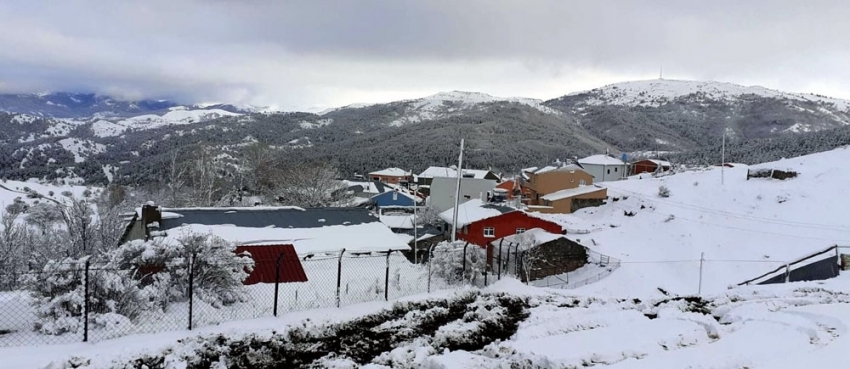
[{"x": 85, "y": 301}]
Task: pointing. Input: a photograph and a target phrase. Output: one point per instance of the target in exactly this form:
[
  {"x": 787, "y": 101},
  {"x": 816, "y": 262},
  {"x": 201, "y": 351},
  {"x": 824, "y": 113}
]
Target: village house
[
  {"x": 536, "y": 254},
  {"x": 650, "y": 166},
  {"x": 426, "y": 177},
  {"x": 479, "y": 223},
  {"x": 395, "y": 197},
  {"x": 551, "y": 179},
  {"x": 514, "y": 189},
  {"x": 269, "y": 233},
  {"x": 604, "y": 168},
  {"x": 572, "y": 199},
  {"x": 442, "y": 196},
  {"x": 394, "y": 176}
]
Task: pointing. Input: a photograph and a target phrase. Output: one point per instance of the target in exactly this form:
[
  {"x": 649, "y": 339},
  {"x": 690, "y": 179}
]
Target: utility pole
[
  {"x": 701, "y": 262},
  {"x": 723, "y": 157},
  {"x": 415, "y": 228},
  {"x": 459, "y": 174}
]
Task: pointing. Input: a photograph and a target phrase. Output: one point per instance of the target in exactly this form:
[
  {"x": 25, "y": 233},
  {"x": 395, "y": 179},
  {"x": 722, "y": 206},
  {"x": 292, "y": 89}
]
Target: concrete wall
[
  {"x": 442, "y": 196},
  {"x": 603, "y": 173}
]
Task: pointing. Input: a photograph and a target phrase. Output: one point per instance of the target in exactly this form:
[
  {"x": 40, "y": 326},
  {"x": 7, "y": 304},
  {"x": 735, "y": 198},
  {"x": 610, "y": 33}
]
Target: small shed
[
  {"x": 650, "y": 166},
  {"x": 272, "y": 262},
  {"x": 536, "y": 254}
]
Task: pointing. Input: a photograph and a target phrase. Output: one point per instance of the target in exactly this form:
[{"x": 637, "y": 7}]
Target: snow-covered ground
[
  {"x": 780, "y": 326},
  {"x": 10, "y": 190},
  {"x": 743, "y": 227}
]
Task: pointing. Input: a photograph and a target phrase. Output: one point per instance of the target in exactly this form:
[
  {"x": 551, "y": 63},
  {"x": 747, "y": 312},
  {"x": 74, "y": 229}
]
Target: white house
[
  {"x": 604, "y": 168},
  {"x": 443, "y": 190}
]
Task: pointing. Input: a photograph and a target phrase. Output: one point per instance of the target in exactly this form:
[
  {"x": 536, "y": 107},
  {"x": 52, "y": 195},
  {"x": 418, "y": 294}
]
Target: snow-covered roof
[
  {"x": 398, "y": 221},
  {"x": 660, "y": 162},
  {"x": 601, "y": 160},
  {"x": 532, "y": 237},
  {"x": 572, "y": 192},
  {"x": 552, "y": 168},
  {"x": 260, "y": 216},
  {"x": 360, "y": 237},
  {"x": 432, "y": 172},
  {"x": 473, "y": 211},
  {"x": 391, "y": 172}
]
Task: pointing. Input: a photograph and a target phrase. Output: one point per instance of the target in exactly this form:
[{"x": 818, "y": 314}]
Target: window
[
  {"x": 520, "y": 230},
  {"x": 466, "y": 197},
  {"x": 581, "y": 182},
  {"x": 489, "y": 232},
  {"x": 395, "y": 196},
  {"x": 615, "y": 169},
  {"x": 609, "y": 171}
]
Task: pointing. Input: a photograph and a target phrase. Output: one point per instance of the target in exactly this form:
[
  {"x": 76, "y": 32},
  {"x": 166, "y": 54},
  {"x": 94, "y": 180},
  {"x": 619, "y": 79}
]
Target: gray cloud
[{"x": 301, "y": 54}]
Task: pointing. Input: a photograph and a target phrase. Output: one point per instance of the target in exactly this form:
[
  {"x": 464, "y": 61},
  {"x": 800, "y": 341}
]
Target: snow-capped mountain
[
  {"x": 657, "y": 92},
  {"x": 443, "y": 105}
]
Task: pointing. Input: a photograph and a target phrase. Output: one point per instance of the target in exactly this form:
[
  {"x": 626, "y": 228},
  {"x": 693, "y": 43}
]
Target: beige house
[
  {"x": 570, "y": 200},
  {"x": 553, "y": 189}
]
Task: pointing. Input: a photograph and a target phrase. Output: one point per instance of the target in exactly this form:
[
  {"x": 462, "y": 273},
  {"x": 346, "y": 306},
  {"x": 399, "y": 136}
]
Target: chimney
[{"x": 150, "y": 214}]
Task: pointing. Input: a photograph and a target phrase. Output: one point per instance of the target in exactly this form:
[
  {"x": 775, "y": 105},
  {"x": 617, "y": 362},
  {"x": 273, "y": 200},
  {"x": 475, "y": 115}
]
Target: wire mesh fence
[{"x": 86, "y": 301}]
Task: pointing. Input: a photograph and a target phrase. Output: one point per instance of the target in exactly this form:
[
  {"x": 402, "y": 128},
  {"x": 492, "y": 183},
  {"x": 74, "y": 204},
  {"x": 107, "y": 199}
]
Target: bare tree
[
  {"x": 310, "y": 185},
  {"x": 175, "y": 181},
  {"x": 78, "y": 219}
]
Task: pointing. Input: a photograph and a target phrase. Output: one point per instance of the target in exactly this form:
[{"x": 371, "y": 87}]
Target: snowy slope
[
  {"x": 789, "y": 326},
  {"x": 745, "y": 228},
  {"x": 659, "y": 91},
  {"x": 445, "y": 104},
  {"x": 10, "y": 190},
  {"x": 175, "y": 116}
]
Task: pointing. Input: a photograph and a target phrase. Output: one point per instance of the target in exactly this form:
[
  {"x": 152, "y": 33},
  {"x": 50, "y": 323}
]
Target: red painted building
[
  {"x": 485, "y": 230},
  {"x": 650, "y": 166}
]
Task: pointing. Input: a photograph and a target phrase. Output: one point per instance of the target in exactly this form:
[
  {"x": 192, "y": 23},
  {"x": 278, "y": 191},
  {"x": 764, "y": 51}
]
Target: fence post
[
  {"x": 787, "y": 272},
  {"x": 701, "y": 262},
  {"x": 463, "y": 270},
  {"x": 485, "y": 277},
  {"x": 339, "y": 275},
  {"x": 430, "y": 260},
  {"x": 86, "y": 299},
  {"x": 191, "y": 289},
  {"x": 500, "y": 258},
  {"x": 277, "y": 281},
  {"x": 387, "y": 278}
]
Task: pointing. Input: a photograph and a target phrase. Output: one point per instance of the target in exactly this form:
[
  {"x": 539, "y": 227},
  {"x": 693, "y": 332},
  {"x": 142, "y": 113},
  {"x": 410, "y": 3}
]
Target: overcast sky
[{"x": 317, "y": 54}]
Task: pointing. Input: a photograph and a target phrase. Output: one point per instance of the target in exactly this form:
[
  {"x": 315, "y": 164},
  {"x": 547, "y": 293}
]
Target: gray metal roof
[{"x": 264, "y": 217}]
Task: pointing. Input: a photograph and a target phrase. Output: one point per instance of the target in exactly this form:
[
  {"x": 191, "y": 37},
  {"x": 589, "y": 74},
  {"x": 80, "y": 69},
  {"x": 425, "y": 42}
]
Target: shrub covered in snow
[
  {"x": 162, "y": 267},
  {"x": 663, "y": 191},
  {"x": 59, "y": 295},
  {"x": 447, "y": 262}
]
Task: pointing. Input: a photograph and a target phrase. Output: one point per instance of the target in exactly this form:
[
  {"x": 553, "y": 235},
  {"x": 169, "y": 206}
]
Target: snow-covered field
[
  {"x": 507, "y": 325},
  {"x": 9, "y": 190},
  {"x": 743, "y": 227}
]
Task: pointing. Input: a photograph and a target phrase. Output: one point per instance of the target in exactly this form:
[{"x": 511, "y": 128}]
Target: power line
[
  {"x": 819, "y": 226},
  {"x": 745, "y": 229}
]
